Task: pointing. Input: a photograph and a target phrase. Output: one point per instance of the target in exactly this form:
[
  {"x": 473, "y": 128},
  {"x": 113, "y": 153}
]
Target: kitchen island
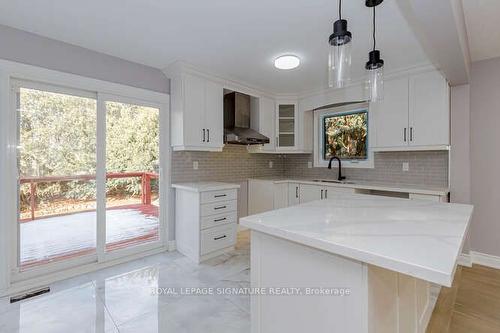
[{"x": 352, "y": 263}]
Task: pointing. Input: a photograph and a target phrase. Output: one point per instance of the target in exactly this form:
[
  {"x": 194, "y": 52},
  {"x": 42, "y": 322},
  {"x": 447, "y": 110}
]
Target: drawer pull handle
[
  {"x": 220, "y": 237},
  {"x": 218, "y": 220},
  {"x": 219, "y": 196},
  {"x": 220, "y": 207}
]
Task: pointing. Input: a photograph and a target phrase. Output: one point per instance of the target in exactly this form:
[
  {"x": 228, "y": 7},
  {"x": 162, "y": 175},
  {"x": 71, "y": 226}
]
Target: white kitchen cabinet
[
  {"x": 205, "y": 219},
  {"x": 262, "y": 119},
  {"x": 293, "y": 194},
  {"x": 266, "y": 195},
  {"x": 214, "y": 115},
  {"x": 429, "y": 110},
  {"x": 197, "y": 122},
  {"x": 280, "y": 199},
  {"x": 310, "y": 192},
  {"x": 286, "y": 125},
  {"x": 414, "y": 115},
  {"x": 391, "y": 114}
]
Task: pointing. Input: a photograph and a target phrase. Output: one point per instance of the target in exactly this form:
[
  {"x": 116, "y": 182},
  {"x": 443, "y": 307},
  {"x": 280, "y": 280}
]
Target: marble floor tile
[
  {"x": 73, "y": 310},
  {"x": 133, "y": 297}
]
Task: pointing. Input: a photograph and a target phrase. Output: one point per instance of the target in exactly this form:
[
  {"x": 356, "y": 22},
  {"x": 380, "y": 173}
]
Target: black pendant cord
[
  {"x": 340, "y": 9},
  {"x": 374, "y": 27}
]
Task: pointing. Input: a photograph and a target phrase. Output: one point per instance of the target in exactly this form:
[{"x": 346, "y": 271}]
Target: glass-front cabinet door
[{"x": 286, "y": 125}]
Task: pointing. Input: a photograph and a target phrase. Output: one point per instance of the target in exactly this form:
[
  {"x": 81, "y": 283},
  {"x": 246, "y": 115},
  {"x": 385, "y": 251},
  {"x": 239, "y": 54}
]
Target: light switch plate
[
  {"x": 271, "y": 164},
  {"x": 195, "y": 165},
  {"x": 406, "y": 166}
]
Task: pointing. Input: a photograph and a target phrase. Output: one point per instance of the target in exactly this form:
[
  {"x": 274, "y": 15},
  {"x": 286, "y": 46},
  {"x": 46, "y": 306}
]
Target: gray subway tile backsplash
[{"x": 235, "y": 164}]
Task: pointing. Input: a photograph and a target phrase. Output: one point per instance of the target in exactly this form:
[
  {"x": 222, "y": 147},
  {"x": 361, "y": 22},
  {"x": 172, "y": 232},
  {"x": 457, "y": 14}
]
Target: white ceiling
[
  {"x": 238, "y": 39},
  {"x": 482, "y": 19}
]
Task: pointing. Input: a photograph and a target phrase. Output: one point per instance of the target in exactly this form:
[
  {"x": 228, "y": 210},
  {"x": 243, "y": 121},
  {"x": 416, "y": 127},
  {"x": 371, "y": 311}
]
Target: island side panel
[
  {"x": 279, "y": 263},
  {"x": 397, "y": 303}
]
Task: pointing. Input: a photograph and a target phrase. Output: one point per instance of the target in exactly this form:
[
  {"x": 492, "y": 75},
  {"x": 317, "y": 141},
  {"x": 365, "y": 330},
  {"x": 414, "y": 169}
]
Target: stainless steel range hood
[{"x": 237, "y": 121}]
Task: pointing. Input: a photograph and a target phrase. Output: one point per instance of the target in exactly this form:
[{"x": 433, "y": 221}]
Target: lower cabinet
[
  {"x": 266, "y": 195},
  {"x": 293, "y": 194},
  {"x": 310, "y": 193},
  {"x": 205, "y": 222},
  {"x": 320, "y": 192}
]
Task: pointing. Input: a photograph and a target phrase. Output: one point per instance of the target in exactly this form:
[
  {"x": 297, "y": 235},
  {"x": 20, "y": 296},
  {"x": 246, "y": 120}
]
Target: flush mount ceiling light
[
  {"x": 375, "y": 65},
  {"x": 287, "y": 62},
  {"x": 339, "y": 59}
]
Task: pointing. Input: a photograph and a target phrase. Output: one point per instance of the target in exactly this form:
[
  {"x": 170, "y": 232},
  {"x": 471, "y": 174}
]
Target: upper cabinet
[
  {"x": 196, "y": 112},
  {"x": 262, "y": 119},
  {"x": 286, "y": 126},
  {"x": 414, "y": 115},
  {"x": 289, "y": 130}
]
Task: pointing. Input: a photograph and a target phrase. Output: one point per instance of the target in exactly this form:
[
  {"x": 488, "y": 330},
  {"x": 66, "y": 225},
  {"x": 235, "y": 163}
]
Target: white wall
[
  {"x": 31, "y": 49},
  {"x": 460, "y": 183},
  {"x": 485, "y": 156}
]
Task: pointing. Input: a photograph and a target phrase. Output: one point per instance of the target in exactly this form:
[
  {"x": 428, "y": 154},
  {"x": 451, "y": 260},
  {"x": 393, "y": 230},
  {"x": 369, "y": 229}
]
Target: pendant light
[
  {"x": 375, "y": 65},
  {"x": 339, "y": 59}
]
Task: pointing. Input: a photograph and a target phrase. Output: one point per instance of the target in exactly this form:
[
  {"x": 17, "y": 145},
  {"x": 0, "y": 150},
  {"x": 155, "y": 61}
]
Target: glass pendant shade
[
  {"x": 339, "y": 58},
  {"x": 375, "y": 77},
  {"x": 375, "y": 84}
]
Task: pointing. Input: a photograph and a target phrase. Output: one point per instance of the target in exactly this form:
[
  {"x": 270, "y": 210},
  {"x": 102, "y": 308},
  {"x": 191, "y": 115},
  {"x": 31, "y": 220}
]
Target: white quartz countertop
[
  {"x": 419, "y": 238},
  {"x": 368, "y": 185},
  {"x": 205, "y": 186}
]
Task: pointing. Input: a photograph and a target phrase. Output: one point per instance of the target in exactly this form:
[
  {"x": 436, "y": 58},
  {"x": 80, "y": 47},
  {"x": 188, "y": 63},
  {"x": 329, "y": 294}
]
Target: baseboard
[
  {"x": 485, "y": 259},
  {"x": 171, "y": 245},
  {"x": 465, "y": 260}
]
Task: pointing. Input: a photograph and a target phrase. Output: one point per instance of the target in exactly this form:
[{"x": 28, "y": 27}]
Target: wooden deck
[{"x": 62, "y": 237}]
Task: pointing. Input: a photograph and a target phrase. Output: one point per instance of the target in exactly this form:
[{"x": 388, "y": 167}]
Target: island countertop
[{"x": 419, "y": 238}]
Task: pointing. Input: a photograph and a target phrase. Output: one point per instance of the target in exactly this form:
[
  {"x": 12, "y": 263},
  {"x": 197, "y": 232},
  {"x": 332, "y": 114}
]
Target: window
[
  {"x": 343, "y": 132},
  {"x": 345, "y": 135}
]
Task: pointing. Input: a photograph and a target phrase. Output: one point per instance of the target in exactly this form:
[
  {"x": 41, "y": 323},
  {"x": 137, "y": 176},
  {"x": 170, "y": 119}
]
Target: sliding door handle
[
  {"x": 208, "y": 134},
  {"x": 404, "y": 134},
  {"x": 203, "y": 135},
  {"x": 411, "y": 133}
]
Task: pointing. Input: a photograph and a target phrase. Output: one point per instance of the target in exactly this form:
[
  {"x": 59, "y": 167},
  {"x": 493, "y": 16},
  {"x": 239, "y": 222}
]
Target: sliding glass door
[
  {"x": 56, "y": 165},
  {"x": 88, "y": 177},
  {"x": 132, "y": 175}
]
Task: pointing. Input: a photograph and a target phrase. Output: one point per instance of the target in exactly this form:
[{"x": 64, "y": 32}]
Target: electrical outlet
[
  {"x": 406, "y": 166},
  {"x": 309, "y": 165},
  {"x": 271, "y": 164},
  {"x": 195, "y": 165}
]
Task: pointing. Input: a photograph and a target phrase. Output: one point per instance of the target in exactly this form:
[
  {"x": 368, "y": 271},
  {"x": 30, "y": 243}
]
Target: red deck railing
[{"x": 145, "y": 184}]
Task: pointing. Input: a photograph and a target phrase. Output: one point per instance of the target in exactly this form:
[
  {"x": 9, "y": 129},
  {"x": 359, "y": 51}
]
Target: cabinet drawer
[
  {"x": 218, "y": 208},
  {"x": 216, "y": 196},
  {"x": 219, "y": 219},
  {"x": 218, "y": 238}
]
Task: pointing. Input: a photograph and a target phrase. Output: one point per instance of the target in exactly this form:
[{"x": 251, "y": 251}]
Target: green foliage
[
  {"x": 58, "y": 138},
  {"x": 345, "y": 136}
]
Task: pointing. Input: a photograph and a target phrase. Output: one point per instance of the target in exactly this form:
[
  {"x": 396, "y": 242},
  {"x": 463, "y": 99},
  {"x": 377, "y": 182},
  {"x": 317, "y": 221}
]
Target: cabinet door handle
[
  {"x": 297, "y": 192},
  {"x": 326, "y": 194},
  {"x": 208, "y": 134},
  {"x": 411, "y": 133},
  {"x": 219, "y": 195},
  {"x": 404, "y": 134},
  {"x": 220, "y": 207},
  {"x": 218, "y": 220},
  {"x": 203, "y": 135},
  {"x": 321, "y": 194},
  {"x": 220, "y": 237}
]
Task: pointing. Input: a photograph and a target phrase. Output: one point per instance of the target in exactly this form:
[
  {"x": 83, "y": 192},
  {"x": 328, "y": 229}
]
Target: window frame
[{"x": 319, "y": 142}]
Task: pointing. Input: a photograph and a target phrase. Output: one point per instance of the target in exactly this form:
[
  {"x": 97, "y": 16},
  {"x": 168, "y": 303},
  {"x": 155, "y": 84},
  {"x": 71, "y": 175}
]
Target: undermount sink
[{"x": 333, "y": 181}]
